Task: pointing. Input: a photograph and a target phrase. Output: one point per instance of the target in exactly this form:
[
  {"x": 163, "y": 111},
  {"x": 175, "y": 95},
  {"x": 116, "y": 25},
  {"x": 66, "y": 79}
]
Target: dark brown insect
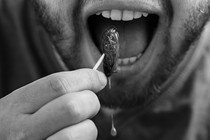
[{"x": 110, "y": 46}]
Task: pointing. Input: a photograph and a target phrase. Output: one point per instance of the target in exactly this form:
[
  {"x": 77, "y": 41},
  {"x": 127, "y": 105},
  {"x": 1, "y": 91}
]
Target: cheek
[
  {"x": 58, "y": 15},
  {"x": 53, "y": 5},
  {"x": 181, "y": 7},
  {"x": 181, "y": 11},
  {"x": 59, "y": 6}
]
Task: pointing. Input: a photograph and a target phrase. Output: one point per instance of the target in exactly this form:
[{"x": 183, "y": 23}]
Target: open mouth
[
  {"x": 136, "y": 30},
  {"x": 140, "y": 26}
]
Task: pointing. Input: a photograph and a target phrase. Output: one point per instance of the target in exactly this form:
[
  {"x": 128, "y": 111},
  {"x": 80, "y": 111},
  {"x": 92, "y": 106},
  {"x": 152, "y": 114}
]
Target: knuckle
[
  {"x": 72, "y": 109},
  {"x": 58, "y": 84},
  {"x": 86, "y": 104}
]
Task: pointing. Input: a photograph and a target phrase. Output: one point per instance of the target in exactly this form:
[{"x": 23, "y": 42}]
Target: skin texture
[
  {"x": 66, "y": 106},
  {"x": 69, "y": 100},
  {"x": 178, "y": 27}
]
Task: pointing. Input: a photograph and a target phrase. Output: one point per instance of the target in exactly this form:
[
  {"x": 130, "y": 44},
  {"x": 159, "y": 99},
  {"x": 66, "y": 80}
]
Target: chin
[{"x": 148, "y": 53}]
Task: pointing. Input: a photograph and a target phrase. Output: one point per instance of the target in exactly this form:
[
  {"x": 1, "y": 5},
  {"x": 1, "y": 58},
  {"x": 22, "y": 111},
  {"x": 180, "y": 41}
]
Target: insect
[{"x": 110, "y": 47}]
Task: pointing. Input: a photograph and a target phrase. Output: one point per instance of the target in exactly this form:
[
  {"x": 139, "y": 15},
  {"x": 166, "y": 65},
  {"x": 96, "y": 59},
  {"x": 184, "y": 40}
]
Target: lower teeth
[{"x": 129, "y": 61}]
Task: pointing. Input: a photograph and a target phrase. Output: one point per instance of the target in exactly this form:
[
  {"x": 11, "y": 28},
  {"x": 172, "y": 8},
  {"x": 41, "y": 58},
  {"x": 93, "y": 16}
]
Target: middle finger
[{"x": 67, "y": 110}]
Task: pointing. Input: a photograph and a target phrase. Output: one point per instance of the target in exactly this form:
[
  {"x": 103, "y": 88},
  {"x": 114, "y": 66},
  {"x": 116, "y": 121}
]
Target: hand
[{"x": 57, "y": 107}]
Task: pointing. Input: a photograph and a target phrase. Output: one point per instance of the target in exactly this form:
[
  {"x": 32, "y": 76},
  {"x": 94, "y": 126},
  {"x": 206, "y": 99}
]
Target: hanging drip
[
  {"x": 110, "y": 45},
  {"x": 110, "y": 82},
  {"x": 113, "y": 131}
]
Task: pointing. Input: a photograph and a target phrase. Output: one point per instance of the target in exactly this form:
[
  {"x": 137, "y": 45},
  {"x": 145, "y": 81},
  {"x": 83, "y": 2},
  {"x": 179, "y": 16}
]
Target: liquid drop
[
  {"x": 113, "y": 129},
  {"x": 110, "y": 82}
]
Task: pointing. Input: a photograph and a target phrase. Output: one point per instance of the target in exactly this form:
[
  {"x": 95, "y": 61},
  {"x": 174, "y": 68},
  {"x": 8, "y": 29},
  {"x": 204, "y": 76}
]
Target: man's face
[{"x": 151, "y": 47}]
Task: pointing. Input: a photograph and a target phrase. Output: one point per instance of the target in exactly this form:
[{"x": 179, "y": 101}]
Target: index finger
[
  {"x": 75, "y": 81},
  {"x": 35, "y": 95}
]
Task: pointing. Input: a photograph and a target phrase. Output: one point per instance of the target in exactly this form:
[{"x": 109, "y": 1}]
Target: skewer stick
[{"x": 99, "y": 62}]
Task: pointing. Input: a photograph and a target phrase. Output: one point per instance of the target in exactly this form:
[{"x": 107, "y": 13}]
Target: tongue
[
  {"x": 133, "y": 37},
  {"x": 133, "y": 34}
]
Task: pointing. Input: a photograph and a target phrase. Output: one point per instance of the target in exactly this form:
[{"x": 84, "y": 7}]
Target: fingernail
[{"x": 102, "y": 78}]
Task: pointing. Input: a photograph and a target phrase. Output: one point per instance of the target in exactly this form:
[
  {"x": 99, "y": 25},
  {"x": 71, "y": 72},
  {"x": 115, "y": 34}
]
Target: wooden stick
[{"x": 99, "y": 62}]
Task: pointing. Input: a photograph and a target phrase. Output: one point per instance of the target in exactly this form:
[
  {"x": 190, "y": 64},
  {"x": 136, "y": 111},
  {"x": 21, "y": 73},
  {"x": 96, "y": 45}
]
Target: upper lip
[{"x": 147, "y": 6}]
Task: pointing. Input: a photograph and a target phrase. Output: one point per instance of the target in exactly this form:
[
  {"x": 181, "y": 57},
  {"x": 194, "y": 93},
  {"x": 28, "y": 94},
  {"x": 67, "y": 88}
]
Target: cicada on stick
[{"x": 110, "y": 47}]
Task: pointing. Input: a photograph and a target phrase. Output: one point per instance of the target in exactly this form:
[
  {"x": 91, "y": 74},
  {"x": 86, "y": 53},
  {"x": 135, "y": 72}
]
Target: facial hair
[{"x": 193, "y": 26}]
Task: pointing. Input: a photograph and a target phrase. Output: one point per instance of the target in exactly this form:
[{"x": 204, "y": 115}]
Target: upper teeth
[{"x": 124, "y": 15}]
